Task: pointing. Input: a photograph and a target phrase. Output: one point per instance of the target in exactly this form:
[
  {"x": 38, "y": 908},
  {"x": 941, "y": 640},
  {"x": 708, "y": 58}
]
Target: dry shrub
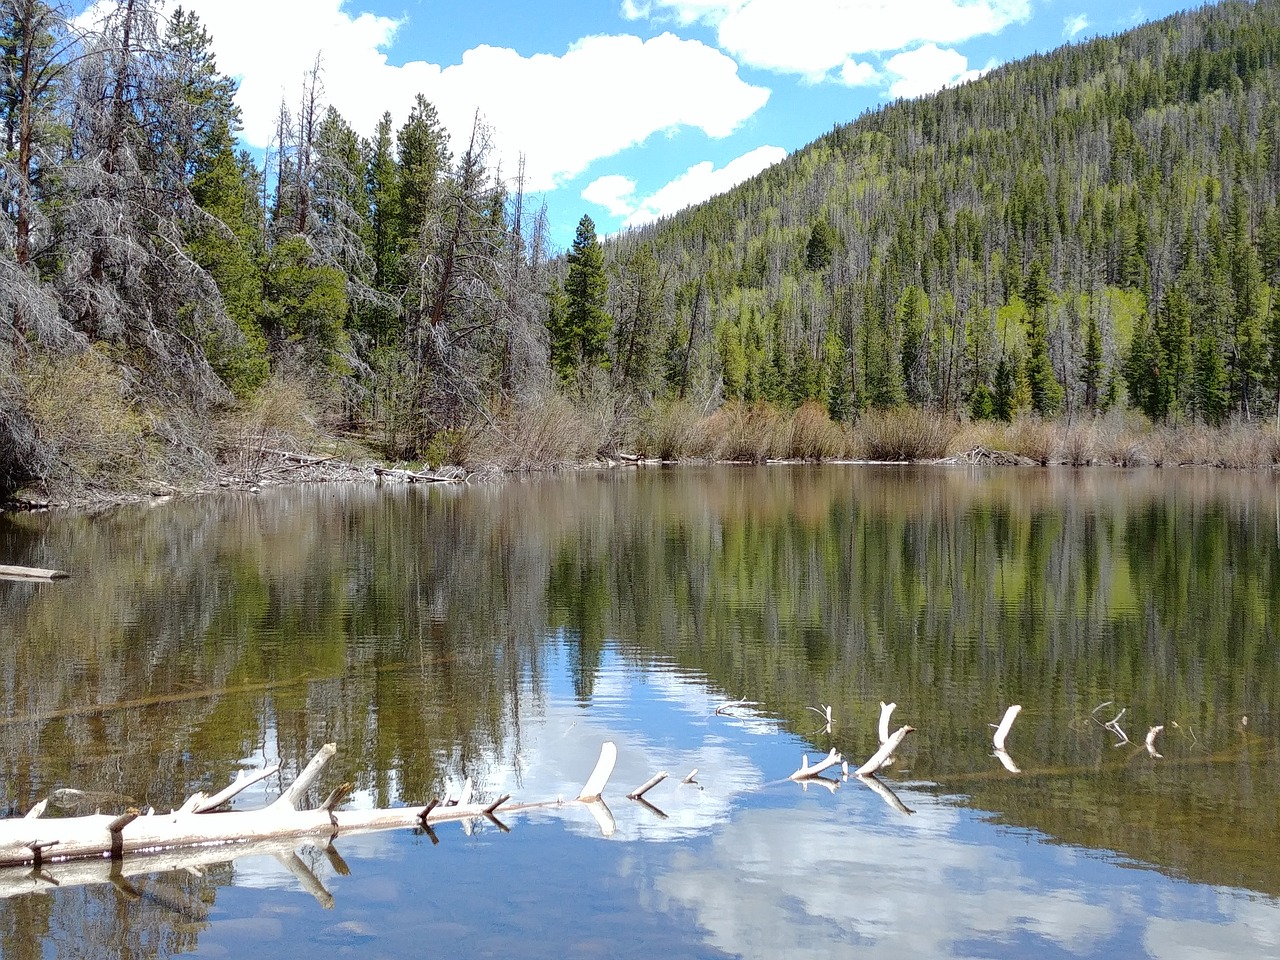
[
  {"x": 279, "y": 415},
  {"x": 814, "y": 436},
  {"x": 904, "y": 433},
  {"x": 1244, "y": 446},
  {"x": 1080, "y": 443},
  {"x": 1270, "y": 445},
  {"x": 1034, "y": 439},
  {"x": 88, "y": 428},
  {"x": 749, "y": 433},
  {"x": 672, "y": 431},
  {"x": 548, "y": 431}
]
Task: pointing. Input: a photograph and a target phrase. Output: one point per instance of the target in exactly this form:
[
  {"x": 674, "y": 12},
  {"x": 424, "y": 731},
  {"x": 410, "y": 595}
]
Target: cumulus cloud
[
  {"x": 688, "y": 85},
  {"x": 927, "y": 69},
  {"x": 854, "y": 73},
  {"x": 703, "y": 180},
  {"x": 614, "y": 192},
  {"x": 522, "y": 99},
  {"x": 812, "y": 38},
  {"x": 1072, "y": 27}
]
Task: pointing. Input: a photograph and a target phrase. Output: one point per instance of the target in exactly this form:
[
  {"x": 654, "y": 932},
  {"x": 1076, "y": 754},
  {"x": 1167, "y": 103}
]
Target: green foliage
[
  {"x": 580, "y": 338},
  {"x": 822, "y": 245},
  {"x": 1004, "y": 401},
  {"x": 303, "y": 304},
  {"x": 1210, "y": 391},
  {"x": 1046, "y": 212}
]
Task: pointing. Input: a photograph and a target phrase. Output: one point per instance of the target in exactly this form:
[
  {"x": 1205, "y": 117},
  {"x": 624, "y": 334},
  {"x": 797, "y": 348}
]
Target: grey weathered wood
[{"x": 10, "y": 572}]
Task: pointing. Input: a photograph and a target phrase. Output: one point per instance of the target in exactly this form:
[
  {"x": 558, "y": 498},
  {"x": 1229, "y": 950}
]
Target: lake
[{"x": 702, "y": 619}]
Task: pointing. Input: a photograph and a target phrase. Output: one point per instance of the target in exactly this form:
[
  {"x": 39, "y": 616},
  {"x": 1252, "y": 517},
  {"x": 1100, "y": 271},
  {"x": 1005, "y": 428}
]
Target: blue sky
[{"x": 632, "y": 109}]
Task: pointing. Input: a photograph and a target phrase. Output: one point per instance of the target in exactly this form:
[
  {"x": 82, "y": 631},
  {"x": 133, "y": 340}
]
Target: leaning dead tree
[{"x": 35, "y": 840}]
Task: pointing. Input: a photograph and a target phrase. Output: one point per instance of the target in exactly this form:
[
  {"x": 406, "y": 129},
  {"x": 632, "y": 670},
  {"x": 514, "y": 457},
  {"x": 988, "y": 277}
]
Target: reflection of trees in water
[
  {"x": 406, "y": 625},
  {"x": 195, "y": 633},
  {"x": 960, "y": 592},
  {"x": 154, "y": 917}
]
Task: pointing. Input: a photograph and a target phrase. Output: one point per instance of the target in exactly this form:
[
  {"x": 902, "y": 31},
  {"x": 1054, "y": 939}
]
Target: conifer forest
[{"x": 1089, "y": 230}]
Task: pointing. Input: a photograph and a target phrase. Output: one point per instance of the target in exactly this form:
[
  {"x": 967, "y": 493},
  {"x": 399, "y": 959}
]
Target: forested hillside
[
  {"x": 154, "y": 276},
  {"x": 1092, "y": 228}
]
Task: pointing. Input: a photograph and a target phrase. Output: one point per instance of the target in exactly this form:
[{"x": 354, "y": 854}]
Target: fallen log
[
  {"x": 807, "y": 772},
  {"x": 419, "y": 476},
  {"x": 37, "y": 841},
  {"x": 1006, "y": 724},
  {"x": 881, "y": 758},
  {"x": 9, "y": 572}
]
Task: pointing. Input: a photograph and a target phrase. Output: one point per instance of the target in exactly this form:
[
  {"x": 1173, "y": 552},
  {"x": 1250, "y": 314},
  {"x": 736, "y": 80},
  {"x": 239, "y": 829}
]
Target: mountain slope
[{"x": 1087, "y": 227}]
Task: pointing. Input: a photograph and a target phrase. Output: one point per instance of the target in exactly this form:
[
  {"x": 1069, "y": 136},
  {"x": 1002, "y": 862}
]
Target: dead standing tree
[{"x": 459, "y": 318}]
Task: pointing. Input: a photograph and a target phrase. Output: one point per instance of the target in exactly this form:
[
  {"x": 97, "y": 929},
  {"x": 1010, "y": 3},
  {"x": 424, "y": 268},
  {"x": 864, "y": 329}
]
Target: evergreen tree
[
  {"x": 821, "y": 246},
  {"x": 1046, "y": 390},
  {"x": 1210, "y": 390},
  {"x": 1273, "y": 350},
  {"x": 1091, "y": 369},
  {"x": 1004, "y": 402},
  {"x": 586, "y": 291},
  {"x": 34, "y": 55}
]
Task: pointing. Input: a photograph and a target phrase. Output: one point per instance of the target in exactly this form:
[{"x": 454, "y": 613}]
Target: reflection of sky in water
[{"x": 762, "y": 868}]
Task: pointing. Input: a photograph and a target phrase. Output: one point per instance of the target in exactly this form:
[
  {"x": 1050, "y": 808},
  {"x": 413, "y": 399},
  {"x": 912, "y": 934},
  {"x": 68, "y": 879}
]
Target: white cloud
[
  {"x": 687, "y": 84},
  {"x": 522, "y": 99},
  {"x": 615, "y": 193},
  {"x": 696, "y": 184},
  {"x": 1072, "y": 27},
  {"x": 813, "y": 37},
  {"x": 927, "y": 69},
  {"x": 854, "y": 73}
]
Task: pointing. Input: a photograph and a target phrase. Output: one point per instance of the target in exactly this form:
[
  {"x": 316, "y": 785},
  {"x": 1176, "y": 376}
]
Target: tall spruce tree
[{"x": 584, "y": 343}]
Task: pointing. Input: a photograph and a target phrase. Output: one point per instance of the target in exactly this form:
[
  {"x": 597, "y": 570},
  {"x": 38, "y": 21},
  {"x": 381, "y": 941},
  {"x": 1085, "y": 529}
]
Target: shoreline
[{"x": 297, "y": 468}]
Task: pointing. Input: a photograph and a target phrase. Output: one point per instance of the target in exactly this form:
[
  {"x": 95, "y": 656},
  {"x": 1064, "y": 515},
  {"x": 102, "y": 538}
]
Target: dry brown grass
[
  {"x": 750, "y": 433},
  {"x": 672, "y": 431},
  {"x": 904, "y": 433}
]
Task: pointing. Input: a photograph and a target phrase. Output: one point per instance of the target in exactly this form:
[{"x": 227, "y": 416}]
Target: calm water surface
[{"x": 504, "y": 632}]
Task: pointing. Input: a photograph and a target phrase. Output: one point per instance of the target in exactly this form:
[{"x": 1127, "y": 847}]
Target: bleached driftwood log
[
  {"x": 34, "y": 841},
  {"x": 648, "y": 785},
  {"x": 9, "y": 572},
  {"x": 1151, "y": 740},
  {"x": 416, "y": 476},
  {"x": 806, "y": 771},
  {"x": 881, "y": 757},
  {"x": 825, "y": 712},
  {"x": 600, "y": 775},
  {"x": 886, "y": 711},
  {"x": 1006, "y": 724}
]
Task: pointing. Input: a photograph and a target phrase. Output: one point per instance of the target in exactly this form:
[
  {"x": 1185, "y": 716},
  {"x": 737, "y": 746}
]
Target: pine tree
[
  {"x": 821, "y": 246},
  {"x": 1210, "y": 391},
  {"x": 586, "y": 290},
  {"x": 1004, "y": 402},
  {"x": 1046, "y": 390},
  {"x": 1091, "y": 370}
]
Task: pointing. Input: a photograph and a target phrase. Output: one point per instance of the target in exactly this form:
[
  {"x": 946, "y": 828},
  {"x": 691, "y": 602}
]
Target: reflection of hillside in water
[{"x": 407, "y": 626}]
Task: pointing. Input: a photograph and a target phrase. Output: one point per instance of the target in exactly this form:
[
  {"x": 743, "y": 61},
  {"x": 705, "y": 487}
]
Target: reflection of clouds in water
[
  {"x": 802, "y": 883},
  {"x": 661, "y": 720},
  {"x": 903, "y": 890},
  {"x": 1250, "y": 927},
  {"x": 815, "y": 875}
]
